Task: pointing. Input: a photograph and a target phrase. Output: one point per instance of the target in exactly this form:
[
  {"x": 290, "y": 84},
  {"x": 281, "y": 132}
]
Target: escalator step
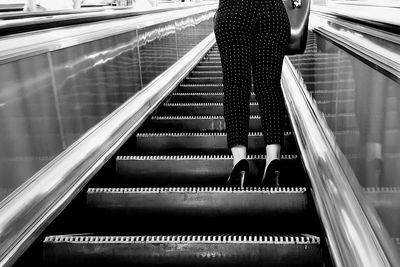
[
  {"x": 201, "y": 97},
  {"x": 202, "y": 80},
  {"x": 205, "y": 170},
  {"x": 218, "y": 250},
  {"x": 204, "y": 202},
  {"x": 201, "y": 143},
  {"x": 205, "y": 73},
  {"x": 208, "y": 68},
  {"x": 197, "y": 123},
  {"x": 199, "y": 109},
  {"x": 212, "y": 57},
  {"x": 200, "y": 88},
  {"x": 210, "y": 63}
]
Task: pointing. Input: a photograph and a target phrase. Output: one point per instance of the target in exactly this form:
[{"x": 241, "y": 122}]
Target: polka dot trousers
[{"x": 252, "y": 36}]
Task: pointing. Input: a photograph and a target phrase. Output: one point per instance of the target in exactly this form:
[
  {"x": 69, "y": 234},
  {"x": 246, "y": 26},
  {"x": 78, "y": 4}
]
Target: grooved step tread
[
  {"x": 184, "y": 250},
  {"x": 202, "y": 97},
  {"x": 200, "y": 109},
  {"x": 198, "y": 170},
  {"x": 216, "y": 203},
  {"x": 201, "y": 143},
  {"x": 198, "y": 123},
  {"x": 256, "y": 239}
]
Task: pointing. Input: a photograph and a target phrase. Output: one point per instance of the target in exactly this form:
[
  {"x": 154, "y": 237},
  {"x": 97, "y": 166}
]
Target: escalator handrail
[
  {"x": 365, "y": 15},
  {"x": 28, "y": 210},
  {"x": 15, "y": 26},
  {"x": 25, "y": 45},
  {"x": 348, "y": 220},
  {"x": 50, "y": 13},
  {"x": 346, "y": 34}
]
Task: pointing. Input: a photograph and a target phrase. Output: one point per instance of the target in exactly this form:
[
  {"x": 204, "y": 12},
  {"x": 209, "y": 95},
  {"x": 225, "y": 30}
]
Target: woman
[{"x": 252, "y": 37}]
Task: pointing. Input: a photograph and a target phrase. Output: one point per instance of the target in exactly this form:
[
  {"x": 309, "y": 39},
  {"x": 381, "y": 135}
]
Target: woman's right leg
[
  {"x": 234, "y": 42},
  {"x": 270, "y": 43}
]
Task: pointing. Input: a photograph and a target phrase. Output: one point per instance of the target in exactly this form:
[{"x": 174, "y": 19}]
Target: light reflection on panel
[
  {"x": 49, "y": 101},
  {"x": 191, "y": 30},
  {"x": 157, "y": 46},
  {"x": 29, "y": 132},
  {"x": 362, "y": 108},
  {"x": 94, "y": 79}
]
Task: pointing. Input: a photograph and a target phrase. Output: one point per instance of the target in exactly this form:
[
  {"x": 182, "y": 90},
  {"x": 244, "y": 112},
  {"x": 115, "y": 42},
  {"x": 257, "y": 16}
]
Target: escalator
[{"x": 163, "y": 200}]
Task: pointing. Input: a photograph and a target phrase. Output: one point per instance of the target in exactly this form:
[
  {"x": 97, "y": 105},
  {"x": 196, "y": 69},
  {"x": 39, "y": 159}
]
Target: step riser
[
  {"x": 210, "y": 63},
  {"x": 180, "y": 145},
  {"x": 199, "y": 110},
  {"x": 203, "y": 80},
  {"x": 203, "y": 125},
  {"x": 181, "y": 254},
  {"x": 208, "y": 68},
  {"x": 217, "y": 205},
  {"x": 202, "y": 98},
  {"x": 206, "y": 74},
  {"x": 170, "y": 171},
  {"x": 200, "y": 89}
]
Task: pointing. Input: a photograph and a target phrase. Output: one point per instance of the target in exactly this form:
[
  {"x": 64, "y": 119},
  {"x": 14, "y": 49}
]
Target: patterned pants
[{"x": 252, "y": 36}]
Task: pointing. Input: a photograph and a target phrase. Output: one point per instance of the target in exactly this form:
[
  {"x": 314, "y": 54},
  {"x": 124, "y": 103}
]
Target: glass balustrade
[{"x": 49, "y": 100}]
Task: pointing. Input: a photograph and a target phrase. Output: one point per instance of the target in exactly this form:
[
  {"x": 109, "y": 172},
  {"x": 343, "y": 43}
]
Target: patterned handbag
[{"x": 298, "y": 12}]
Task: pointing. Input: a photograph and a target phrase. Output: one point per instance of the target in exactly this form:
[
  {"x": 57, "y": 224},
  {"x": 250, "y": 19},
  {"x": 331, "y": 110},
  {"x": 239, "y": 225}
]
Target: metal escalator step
[
  {"x": 208, "y": 68},
  {"x": 197, "y": 73},
  {"x": 200, "y": 88},
  {"x": 211, "y": 59},
  {"x": 209, "y": 64},
  {"x": 197, "y": 123},
  {"x": 216, "y": 203},
  {"x": 216, "y": 250},
  {"x": 199, "y": 109},
  {"x": 201, "y": 143},
  {"x": 202, "y": 80},
  {"x": 198, "y": 170},
  {"x": 201, "y": 97}
]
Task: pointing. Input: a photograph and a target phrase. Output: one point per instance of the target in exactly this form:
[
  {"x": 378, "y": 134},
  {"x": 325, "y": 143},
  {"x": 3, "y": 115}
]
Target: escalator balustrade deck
[{"x": 168, "y": 203}]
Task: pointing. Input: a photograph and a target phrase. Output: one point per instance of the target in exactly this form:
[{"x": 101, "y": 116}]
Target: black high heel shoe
[
  {"x": 239, "y": 173},
  {"x": 271, "y": 174}
]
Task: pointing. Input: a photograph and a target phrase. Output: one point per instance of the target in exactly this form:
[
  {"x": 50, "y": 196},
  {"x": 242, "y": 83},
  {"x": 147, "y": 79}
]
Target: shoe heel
[
  {"x": 239, "y": 174},
  {"x": 242, "y": 177},
  {"x": 277, "y": 174},
  {"x": 271, "y": 174}
]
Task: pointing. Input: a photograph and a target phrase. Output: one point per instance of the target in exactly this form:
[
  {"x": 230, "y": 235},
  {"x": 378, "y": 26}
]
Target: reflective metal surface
[
  {"x": 29, "y": 131},
  {"x": 55, "y": 93},
  {"x": 354, "y": 84},
  {"x": 92, "y": 80},
  {"x": 24, "y": 45},
  {"x": 25, "y": 213},
  {"x": 50, "y": 99},
  {"x": 42, "y": 20},
  {"x": 349, "y": 235},
  {"x": 375, "y": 45}
]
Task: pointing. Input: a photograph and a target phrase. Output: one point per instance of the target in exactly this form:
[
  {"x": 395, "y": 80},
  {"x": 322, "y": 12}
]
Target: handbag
[{"x": 298, "y": 12}]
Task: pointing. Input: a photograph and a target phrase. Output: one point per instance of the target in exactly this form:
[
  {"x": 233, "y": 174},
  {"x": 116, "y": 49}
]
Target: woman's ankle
[
  {"x": 238, "y": 153},
  {"x": 273, "y": 151}
]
